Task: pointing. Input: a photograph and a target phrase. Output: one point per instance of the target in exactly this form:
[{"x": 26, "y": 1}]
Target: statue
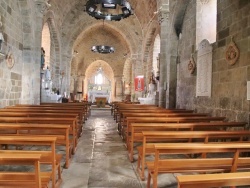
[
  {"x": 47, "y": 74},
  {"x": 151, "y": 86},
  {"x": 42, "y": 57}
]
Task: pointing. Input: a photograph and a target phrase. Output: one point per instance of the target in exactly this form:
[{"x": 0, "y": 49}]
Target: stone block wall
[
  {"x": 229, "y": 82},
  {"x": 11, "y": 78}
]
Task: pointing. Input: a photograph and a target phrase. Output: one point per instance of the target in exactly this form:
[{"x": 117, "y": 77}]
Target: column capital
[
  {"x": 163, "y": 15},
  {"x": 42, "y": 6}
]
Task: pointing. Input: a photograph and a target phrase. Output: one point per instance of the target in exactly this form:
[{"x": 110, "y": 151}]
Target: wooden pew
[
  {"x": 204, "y": 165},
  {"x": 148, "y": 110},
  {"x": 61, "y": 132},
  {"x": 214, "y": 180},
  {"x": 38, "y": 141},
  {"x": 151, "y": 137},
  {"x": 83, "y": 104},
  {"x": 43, "y": 113},
  {"x": 124, "y": 115},
  {"x": 42, "y": 109},
  {"x": 120, "y": 106},
  {"x": 16, "y": 178},
  {"x": 126, "y": 128},
  {"x": 45, "y": 120},
  {"x": 120, "y": 118},
  {"x": 136, "y": 130}
]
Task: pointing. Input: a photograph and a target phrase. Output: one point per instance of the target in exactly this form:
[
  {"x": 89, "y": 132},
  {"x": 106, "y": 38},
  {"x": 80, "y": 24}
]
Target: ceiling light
[
  {"x": 94, "y": 8},
  {"x": 103, "y": 49}
]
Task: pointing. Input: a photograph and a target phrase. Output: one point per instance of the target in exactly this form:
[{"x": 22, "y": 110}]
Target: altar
[
  {"x": 92, "y": 95},
  {"x": 146, "y": 100}
]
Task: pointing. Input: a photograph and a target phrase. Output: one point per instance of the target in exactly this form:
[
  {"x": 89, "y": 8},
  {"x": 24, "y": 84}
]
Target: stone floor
[{"x": 101, "y": 158}]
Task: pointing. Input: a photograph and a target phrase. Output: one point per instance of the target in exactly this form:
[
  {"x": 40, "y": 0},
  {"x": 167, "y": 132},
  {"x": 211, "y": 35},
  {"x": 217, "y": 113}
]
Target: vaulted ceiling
[{"x": 80, "y": 32}]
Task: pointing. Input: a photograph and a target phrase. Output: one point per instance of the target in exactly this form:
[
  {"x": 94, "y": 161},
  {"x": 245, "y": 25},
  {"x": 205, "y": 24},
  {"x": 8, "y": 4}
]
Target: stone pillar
[
  {"x": 172, "y": 83},
  {"x": 80, "y": 86},
  {"x": 118, "y": 88},
  {"x": 163, "y": 56}
]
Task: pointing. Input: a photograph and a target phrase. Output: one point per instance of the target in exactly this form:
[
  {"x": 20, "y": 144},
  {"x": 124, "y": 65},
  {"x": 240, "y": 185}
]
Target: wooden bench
[
  {"x": 46, "y": 120},
  {"x": 124, "y": 115},
  {"x": 52, "y": 157},
  {"x": 61, "y": 132},
  {"x": 136, "y": 130},
  {"x": 126, "y": 128},
  {"x": 16, "y": 178},
  {"x": 120, "y": 106},
  {"x": 214, "y": 180},
  {"x": 85, "y": 107},
  {"x": 148, "y": 111},
  {"x": 201, "y": 165},
  {"x": 43, "y": 113},
  {"x": 84, "y": 104},
  {"x": 151, "y": 137},
  {"x": 68, "y": 109}
]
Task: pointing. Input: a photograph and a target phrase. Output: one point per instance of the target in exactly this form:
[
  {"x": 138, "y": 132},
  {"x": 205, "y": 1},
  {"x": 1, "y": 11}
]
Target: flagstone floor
[{"x": 101, "y": 159}]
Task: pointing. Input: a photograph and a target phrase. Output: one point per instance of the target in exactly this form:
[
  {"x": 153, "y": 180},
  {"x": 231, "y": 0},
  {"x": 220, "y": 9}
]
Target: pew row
[
  {"x": 52, "y": 157},
  {"x": 135, "y": 130},
  {"x": 61, "y": 132},
  {"x": 126, "y": 128},
  {"x": 84, "y": 104},
  {"x": 212, "y": 164},
  {"x": 45, "y": 120},
  {"x": 57, "y": 109},
  {"x": 214, "y": 180},
  {"x": 151, "y": 137},
  {"x": 124, "y": 115},
  {"x": 18, "y": 179}
]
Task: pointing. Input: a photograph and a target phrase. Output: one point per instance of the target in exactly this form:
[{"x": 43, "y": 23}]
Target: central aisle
[{"x": 101, "y": 159}]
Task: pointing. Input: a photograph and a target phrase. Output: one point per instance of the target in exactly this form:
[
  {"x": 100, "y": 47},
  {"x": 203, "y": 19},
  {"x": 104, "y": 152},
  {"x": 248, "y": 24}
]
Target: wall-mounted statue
[
  {"x": 191, "y": 65},
  {"x": 232, "y": 53}
]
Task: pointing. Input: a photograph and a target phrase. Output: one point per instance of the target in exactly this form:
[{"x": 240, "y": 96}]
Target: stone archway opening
[
  {"x": 155, "y": 62},
  {"x": 45, "y": 49},
  {"x": 99, "y": 81}
]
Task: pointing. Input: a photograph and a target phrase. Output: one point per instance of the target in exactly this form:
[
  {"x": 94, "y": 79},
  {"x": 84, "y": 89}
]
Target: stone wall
[
  {"x": 228, "y": 81},
  {"x": 11, "y": 78}
]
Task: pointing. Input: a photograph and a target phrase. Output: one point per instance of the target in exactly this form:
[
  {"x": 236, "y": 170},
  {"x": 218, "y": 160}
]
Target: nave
[{"x": 101, "y": 159}]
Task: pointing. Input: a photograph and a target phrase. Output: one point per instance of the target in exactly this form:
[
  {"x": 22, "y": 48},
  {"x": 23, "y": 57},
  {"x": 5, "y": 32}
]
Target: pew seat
[{"x": 214, "y": 180}]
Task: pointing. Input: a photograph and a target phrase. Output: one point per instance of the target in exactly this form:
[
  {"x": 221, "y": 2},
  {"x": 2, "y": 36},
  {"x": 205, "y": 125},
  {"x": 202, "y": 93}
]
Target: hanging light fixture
[
  {"x": 103, "y": 49},
  {"x": 102, "y": 9}
]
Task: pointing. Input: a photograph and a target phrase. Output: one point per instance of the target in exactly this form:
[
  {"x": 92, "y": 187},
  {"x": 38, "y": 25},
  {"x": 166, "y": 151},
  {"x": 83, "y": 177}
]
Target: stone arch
[
  {"x": 91, "y": 71},
  {"x": 46, "y": 44},
  {"x": 55, "y": 53},
  {"x": 156, "y": 52},
  {"x": 148, "y": 50}
]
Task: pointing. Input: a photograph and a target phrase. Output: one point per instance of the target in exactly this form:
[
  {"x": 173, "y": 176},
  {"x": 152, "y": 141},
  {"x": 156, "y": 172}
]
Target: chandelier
[
  {"x": 103, "y": 49},
  {"x": 109, "y": 9}
]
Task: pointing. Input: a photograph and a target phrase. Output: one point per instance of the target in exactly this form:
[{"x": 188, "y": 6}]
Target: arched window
[
  {"x": 206, "y": 14},
  {"x": 46, "y": 44},
  {"x": 99, "y": 77}
]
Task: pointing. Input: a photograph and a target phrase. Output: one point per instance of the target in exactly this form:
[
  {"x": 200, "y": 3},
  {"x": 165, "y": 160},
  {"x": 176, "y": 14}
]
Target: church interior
[{"x": 91, "y": 67}]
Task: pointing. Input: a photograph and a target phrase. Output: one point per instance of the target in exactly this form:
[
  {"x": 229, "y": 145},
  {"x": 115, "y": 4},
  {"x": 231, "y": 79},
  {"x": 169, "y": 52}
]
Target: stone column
[
  {"x": 172, "y": 83},
  {"x": 118, "y": 88},
  {"x": 80, "y": 85},
  {"x": 163, "y": 56}
]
